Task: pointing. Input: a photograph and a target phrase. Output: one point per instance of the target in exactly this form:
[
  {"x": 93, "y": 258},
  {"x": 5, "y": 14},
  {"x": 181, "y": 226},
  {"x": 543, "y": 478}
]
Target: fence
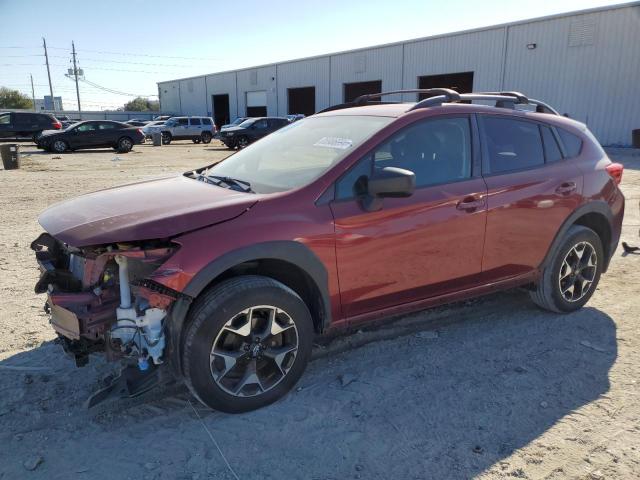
[{"x": 120, "y": 116}]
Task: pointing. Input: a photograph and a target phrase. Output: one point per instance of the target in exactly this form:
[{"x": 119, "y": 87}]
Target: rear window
[
  {"x": 195, "y": 121},
  {"x": 512, "y": 144},
  {"x": 572, "y": 143},
  {"x": 206, "y": 121},
  {"x": 551, "y": 149}
]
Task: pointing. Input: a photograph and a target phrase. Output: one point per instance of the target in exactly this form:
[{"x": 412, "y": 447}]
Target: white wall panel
[
  {"x": 255, "y": 79},
  {"x": 372, "y": 64},
  {"x": 305, "y": 73}
]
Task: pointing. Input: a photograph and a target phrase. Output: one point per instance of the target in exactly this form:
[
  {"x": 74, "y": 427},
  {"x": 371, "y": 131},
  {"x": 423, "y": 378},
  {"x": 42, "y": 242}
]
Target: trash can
[
  {"x": 157, "y": 139},
  {"x": 10, "y": 153},
  {"x": 635, "y": 138}
]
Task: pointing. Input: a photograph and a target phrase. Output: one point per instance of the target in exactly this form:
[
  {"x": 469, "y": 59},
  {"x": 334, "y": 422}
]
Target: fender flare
[
  {"x": 289, "y": 251},
  {"x": 595, "y": 206}
]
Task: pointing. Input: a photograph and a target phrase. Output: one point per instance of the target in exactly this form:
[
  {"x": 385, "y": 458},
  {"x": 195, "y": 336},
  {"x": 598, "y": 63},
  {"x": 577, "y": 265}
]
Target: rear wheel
[
  {"x": 59, "y": 146},
  {"x": 166, "y": 138},
  {"x": 125, "y": 144},
  {"x": 196, "y": 140},
  {"x": 248, "y": 342},
  {"x": 206, "y": 137},
  {"x": 571, "y": 276}
]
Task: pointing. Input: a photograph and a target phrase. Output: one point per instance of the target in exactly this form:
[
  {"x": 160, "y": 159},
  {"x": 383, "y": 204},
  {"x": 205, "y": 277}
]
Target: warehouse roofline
[{"x": 416, "y": 40}]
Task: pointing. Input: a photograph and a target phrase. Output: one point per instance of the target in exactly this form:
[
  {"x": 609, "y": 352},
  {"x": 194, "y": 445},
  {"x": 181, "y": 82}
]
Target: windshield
[
  {"x": 299, "y": 153},
  {"x": 247, "y": 123},
  {"x": 238, "y": 121}
]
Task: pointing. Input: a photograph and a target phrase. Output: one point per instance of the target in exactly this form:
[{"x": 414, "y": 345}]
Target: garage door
[{"x": 257, "y": 99}]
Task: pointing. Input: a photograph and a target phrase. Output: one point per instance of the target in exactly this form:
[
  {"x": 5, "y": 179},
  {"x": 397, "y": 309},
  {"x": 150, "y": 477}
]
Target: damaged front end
[{"x": 101, "y": 299}]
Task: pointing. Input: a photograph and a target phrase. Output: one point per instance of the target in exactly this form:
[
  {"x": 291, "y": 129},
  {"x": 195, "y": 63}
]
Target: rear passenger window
[
  {"x": 551, "y": 149},
  {"x": 195, "y": 121},
  {"x": 572, "y": 143},
  {"x": 206, "y": 121},
  {"x": 512, "y": 144}
]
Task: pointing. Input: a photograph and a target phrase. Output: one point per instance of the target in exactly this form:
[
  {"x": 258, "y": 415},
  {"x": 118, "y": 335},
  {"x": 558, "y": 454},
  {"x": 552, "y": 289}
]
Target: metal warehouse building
[{"x": 584, "y": 63}]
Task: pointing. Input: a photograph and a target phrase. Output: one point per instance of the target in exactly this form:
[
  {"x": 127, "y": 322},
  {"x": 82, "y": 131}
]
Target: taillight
[
  {"x": 140, "y": 131},
  {"x": 57, "y": 125},
  {"x": 615, "y": 171}
]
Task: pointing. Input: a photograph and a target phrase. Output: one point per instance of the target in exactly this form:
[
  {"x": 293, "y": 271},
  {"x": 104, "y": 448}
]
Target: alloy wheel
[
  {"x": 578, "y": 271},
  {"x": 125, "y": 144},
  {"x": 254, "y": 351},
  {"x": 59, "y": 146}
]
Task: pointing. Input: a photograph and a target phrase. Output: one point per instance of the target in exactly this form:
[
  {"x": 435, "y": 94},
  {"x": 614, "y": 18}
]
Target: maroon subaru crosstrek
[{"x": 224, "y": 275}]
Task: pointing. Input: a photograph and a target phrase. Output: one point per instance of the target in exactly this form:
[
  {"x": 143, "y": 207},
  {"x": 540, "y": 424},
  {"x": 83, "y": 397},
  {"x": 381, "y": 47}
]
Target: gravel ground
[{"x": 490, "y": 388}]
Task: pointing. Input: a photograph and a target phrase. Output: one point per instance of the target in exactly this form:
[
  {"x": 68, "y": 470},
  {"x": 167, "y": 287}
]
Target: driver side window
[
  {"x": 86, "y": 127},
  {"x": 437, "y": 151}
]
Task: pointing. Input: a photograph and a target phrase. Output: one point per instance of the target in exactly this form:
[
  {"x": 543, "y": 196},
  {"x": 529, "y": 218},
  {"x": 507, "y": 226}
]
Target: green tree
[
  {"x": 140, "y": 104},
  {"x": 14, "y": 99}
]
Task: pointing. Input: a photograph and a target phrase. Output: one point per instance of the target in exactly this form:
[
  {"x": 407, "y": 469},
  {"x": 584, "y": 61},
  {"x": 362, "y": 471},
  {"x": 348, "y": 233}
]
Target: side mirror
[{"x": 389, "y": 182}]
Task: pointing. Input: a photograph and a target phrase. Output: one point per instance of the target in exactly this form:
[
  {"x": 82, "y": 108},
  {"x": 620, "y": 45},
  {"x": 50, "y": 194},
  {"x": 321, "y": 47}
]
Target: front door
[
  {"x": 83, "y": 136},
  {"x": 421, "y": 246}
]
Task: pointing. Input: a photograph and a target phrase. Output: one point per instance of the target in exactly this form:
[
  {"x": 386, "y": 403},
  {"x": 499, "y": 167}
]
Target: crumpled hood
[{"x": 143, "y": 211}]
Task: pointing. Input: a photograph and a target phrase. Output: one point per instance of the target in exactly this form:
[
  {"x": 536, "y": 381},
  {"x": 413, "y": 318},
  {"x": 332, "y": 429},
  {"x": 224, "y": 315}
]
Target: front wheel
[
  {"x": 166, "y": 138},
  {"x": 242, "y": 142},
  {"x": 59, "y": 146},
  {"x": 571, "y": 276},
  {"x": 248, "y": 342}
]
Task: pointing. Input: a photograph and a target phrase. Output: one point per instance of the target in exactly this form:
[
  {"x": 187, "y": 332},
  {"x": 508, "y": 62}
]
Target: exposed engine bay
[{"x": 100, "y": 299}]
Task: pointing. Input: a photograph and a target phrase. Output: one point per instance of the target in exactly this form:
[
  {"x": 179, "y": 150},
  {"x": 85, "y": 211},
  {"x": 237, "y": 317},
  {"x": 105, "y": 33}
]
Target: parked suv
[
  {"x": 197, "y": 129},
  {"x": 224, "y": 275},
  {"x": 26, "y": 124},
  {"x": 251, "y": 130}
]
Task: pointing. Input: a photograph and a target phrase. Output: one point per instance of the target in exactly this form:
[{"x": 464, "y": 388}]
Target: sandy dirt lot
[{"x": 491, "y": 388}]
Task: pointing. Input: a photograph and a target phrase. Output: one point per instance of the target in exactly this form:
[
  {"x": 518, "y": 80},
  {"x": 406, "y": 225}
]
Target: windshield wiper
[{"x": 243, "y": 185}]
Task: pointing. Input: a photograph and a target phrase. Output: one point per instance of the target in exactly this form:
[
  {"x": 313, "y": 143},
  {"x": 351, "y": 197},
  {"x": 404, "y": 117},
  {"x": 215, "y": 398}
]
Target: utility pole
[
  {"x": 46, "y": 58},
  {"x": 75, "y": 73},
  {"x": 33, "y": 93}
]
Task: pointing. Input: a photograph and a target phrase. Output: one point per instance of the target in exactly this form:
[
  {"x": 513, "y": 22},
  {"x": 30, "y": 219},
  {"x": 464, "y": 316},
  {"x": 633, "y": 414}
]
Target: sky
[{"x": 127, "y": 46}]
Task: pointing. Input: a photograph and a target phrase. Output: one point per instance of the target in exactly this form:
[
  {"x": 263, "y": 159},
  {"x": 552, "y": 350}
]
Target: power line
[{"x": 139, "y": 54}]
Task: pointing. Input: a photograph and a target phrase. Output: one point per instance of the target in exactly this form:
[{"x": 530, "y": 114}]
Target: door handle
[
  {"x": 566, "y": 188},
  {"x": 470, "y": 203}
]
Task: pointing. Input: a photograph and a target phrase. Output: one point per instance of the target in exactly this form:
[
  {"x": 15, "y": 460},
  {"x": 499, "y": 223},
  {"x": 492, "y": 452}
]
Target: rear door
[
  {"x": 531, "y": 191},
  {"x": 195, "y": 126},
  {"x": 421, "y": 246},
  {"x": 107, "y": 134}
]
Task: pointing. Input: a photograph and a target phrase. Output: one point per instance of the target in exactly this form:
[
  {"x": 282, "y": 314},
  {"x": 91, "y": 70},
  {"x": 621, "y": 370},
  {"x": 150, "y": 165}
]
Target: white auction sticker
[{"x": 334, "y": 142}]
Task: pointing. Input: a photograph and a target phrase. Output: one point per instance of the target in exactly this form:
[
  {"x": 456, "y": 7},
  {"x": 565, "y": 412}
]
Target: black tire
[
  {"x": 548, "y": 293},
  {"x": 35, "y": 136},
  {"x": 166, "y": 138},
  {"x": 125, "y": 144},
  {"x": 206, "y": 137},
  {"x": 217, "y": 307},
  {"x": 242, "y": 141},
  {"x": 59, "y": 146},
  {"x": 196, "y": 140}
]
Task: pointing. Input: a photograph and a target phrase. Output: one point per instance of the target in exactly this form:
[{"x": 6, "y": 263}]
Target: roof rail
[
  {"x": 502, "y": 99},
  {"x": 452, "y": 95}
]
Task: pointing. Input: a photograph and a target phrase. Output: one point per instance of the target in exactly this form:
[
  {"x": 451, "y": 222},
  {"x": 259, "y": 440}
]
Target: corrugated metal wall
[
  {"x": 304, "y": 73},
  {"x": 585, "y": 64},
  {"x": 221, "y": 83}
]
